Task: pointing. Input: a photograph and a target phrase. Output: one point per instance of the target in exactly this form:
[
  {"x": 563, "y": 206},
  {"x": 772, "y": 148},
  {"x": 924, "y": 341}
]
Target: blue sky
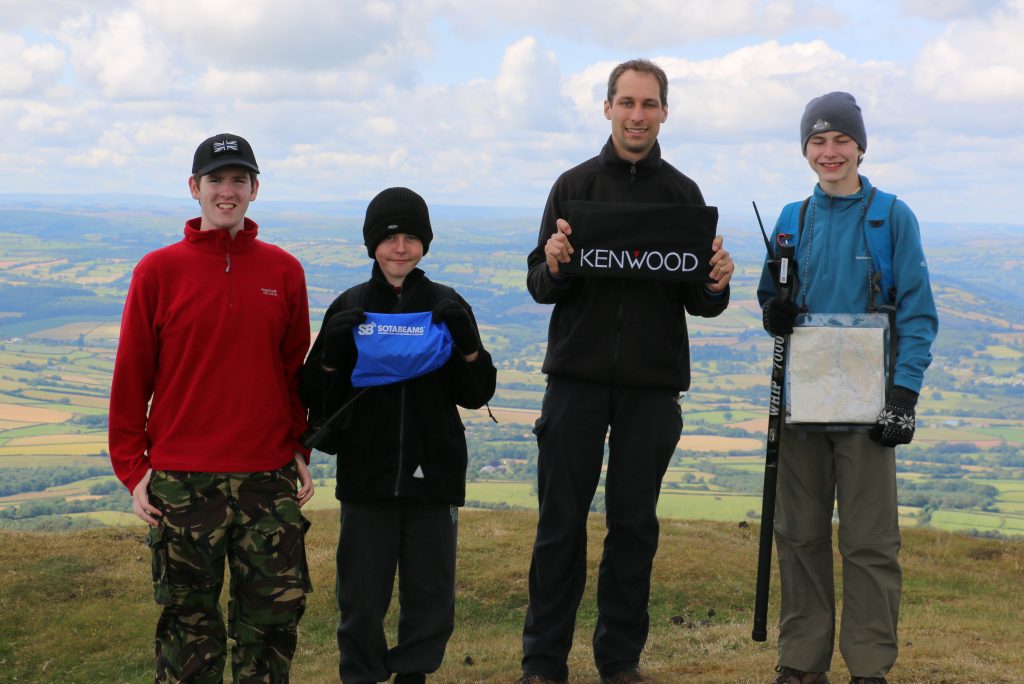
[{"x": 486, "y": 103}]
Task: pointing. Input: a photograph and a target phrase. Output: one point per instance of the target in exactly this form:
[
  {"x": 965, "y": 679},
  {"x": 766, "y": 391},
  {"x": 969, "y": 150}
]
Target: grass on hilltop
[{"x": 77, "y": 607}]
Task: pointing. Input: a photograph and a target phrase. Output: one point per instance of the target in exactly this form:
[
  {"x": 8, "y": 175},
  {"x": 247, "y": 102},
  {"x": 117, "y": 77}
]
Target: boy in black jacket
[{"x": 401, "y": 450}]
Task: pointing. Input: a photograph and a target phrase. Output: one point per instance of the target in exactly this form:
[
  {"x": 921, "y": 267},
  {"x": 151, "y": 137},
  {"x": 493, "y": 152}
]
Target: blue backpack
[{"x": 878, "y": 231}]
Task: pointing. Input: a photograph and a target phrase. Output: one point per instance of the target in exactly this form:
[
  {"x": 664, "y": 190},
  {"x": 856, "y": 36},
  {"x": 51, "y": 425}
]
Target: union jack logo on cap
[{"x": 225, "y": 145}]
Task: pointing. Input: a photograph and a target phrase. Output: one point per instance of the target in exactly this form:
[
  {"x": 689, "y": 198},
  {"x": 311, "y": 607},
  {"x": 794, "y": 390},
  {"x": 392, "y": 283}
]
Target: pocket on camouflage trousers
[
  {"x": 307, "y": 582},
  {"x": 157, "y": 542}
]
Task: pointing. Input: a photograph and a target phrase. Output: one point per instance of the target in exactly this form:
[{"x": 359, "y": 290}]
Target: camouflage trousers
[{"x": 252, "y": 520}]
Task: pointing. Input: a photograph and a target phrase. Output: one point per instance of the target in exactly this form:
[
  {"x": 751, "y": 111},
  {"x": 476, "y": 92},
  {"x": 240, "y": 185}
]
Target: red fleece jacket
[{"x": 213, "y": 336}]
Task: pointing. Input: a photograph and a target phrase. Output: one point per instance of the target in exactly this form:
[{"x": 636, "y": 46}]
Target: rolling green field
[
  {"x": 62, "y": 290},
  {"x": 42, "y": 428}
]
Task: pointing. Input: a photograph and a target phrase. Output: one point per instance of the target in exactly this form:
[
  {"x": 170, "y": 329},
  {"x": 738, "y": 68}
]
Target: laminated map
[{"x": 836, "y": 375}]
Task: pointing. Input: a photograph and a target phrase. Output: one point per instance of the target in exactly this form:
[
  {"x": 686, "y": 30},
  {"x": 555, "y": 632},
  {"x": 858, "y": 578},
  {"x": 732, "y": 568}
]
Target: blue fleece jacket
[{"x": 833, "y": 266}]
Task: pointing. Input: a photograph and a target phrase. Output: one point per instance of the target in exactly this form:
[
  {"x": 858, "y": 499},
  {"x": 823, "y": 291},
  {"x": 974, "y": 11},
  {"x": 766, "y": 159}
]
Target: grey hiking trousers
[{"x": 816, "y": 471}]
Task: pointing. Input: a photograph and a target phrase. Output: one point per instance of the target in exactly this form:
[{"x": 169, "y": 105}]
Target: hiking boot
[
  {"x": 410, "y": 678},
  {"x": 538, "y": 679},
  {"x": 868, "y": 680},
  {"x": 788, "y": 675},
  {"x": 631, "y": 676}
]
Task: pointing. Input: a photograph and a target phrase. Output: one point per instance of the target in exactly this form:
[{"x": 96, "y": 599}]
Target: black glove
[
  {"x": 778, "y": 316},
  {"x": 897, "y": 421},
  {"x": 460, "y": 325},
  {"x": 337, "y": 334}
]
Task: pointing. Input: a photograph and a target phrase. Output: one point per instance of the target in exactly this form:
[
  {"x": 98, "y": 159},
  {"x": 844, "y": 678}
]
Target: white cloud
[
  {"x": 341, "y": 99},
  {"x": 113, "y": 149},
  {"x": 760, "y": 90},
  {"x": 640, "y": 26},
  {"x": 386, "y": 37},
  {"x": 121, "y": 53},
  {"x": 528, "y": 88},
  {"x": 976, "y": 60},
  {"x": 26, "y": 67},
  {"x": 18, "y": 14},
  {"x": 306, "y": 158},
  {"x": 940, "y": 10},
  {"x": 383, "y": 125}
]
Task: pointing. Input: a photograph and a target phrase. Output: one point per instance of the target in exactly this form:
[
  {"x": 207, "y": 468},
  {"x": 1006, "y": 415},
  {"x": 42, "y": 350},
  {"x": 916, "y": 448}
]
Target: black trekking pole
[
  {"x": 776, "y": 411},
  {"x": 319, "y": 433}
]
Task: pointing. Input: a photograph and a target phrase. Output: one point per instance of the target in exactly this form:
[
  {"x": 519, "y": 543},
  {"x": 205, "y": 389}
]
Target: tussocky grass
[{"x": 77, "y": 607}]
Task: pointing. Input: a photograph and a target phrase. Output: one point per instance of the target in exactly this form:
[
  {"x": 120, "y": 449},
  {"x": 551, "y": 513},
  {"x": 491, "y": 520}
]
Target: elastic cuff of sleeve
[
  {"x": 558, "y": 279},
  {"x": 903, "y": 396}
]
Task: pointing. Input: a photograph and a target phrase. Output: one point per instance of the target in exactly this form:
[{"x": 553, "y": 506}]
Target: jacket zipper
[
  {"x": 401, "y": 440},
  {"x": 401, "y": 420},
  {"x": 618, "y": 314},
  {"x": 826, "y": 260},
  {"x": 227, "y": 270}
]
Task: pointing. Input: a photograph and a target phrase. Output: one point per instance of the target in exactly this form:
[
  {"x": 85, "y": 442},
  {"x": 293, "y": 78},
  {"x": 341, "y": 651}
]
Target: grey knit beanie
[
  {"x": 396, "y": 210},
  {"x": 836, "y": 111}
]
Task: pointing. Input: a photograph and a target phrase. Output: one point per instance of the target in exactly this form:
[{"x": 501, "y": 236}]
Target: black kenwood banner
[{"x": 650, "y": 241}]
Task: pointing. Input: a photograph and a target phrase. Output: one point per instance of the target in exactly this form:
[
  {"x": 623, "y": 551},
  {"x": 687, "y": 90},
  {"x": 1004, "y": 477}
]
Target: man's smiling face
[
  {"x": 636, "y": 113},
  {"x": 834, "y": 156},
  {"x": 224, "y": 195}
]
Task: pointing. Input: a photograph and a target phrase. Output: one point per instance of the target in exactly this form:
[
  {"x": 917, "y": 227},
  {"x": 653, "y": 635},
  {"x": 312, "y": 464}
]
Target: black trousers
[
  {"x": 377, "y": 538},
  {"x": 644, "y": 424}
]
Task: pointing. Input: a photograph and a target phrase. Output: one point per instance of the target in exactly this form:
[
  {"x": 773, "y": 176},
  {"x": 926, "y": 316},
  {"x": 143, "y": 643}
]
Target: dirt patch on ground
[
  {"x": 754, "y": 425},
  {"x": 504, "y": 415},
  {"x": 57, "y": 439},
  {"x": 31, "y": 414},
  {"x": 715, "y": 443}
]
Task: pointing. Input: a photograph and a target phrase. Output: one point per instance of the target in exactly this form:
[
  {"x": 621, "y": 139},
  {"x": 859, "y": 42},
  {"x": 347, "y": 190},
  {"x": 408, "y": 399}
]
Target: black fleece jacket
[
  {"x": 614, "y": 330},
  {"x": 405, "y": 439}
]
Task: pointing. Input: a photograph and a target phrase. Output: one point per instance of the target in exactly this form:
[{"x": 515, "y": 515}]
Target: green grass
[
  {"x": 500, "y": 491},
  {"x": 721, "y": 506},
  {"x": 25, "y": 460},
  {"x": 112, "y": 518},
  {"x": 501, "y": 394},
  {"x": 532, "y": 377},
  {"x": 1008, "y": 434},
  {"x": 1009, "y": 524},
  {"x": 1003, "y": 352},
  {"x": 49, "y": 429},
  {"x": 77, "y": 607}
]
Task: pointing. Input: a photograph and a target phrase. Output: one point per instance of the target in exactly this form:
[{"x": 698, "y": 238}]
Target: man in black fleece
[
  {"x": 401, "y": 450},
  {"x": 618, "y": 358}
]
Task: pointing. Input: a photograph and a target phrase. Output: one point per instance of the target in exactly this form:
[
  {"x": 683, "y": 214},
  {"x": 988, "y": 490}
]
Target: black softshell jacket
[
  {"x": 405, "y": 439},
  {"x": 615, "y": 330}
]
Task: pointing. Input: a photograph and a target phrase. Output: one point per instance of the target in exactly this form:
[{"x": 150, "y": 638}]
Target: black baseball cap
[{"x": 223, "y": 149}]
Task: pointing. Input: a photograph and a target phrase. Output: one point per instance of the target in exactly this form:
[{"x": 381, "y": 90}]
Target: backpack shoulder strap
[
  {"x": 354, "y": 297},
  {"x": 878, "y": 231},
  {"x": 793, "y": 218},
  {"x": 442, "y": 292}
]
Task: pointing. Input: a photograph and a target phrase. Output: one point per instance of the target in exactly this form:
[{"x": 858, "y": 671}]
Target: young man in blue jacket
[{"x": 857, "y": 469}]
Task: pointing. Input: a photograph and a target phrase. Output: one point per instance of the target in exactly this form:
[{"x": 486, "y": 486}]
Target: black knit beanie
[
  {"x": 837, "y": 111},
  {"x": 396, "y": 210}
]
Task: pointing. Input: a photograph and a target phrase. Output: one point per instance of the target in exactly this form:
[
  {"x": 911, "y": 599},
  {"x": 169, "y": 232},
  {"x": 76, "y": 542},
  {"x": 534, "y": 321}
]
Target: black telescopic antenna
[
  {"x": 776, "y": 420},
  {"x": 767, "y": 242}
]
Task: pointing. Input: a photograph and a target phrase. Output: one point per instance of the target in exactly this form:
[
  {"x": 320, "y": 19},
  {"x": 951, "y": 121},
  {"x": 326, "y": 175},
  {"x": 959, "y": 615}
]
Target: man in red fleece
[{"x": 205, "y": 420}]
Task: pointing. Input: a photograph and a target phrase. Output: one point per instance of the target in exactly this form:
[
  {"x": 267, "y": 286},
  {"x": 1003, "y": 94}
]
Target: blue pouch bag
[{"x": 396, "y": 347}]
